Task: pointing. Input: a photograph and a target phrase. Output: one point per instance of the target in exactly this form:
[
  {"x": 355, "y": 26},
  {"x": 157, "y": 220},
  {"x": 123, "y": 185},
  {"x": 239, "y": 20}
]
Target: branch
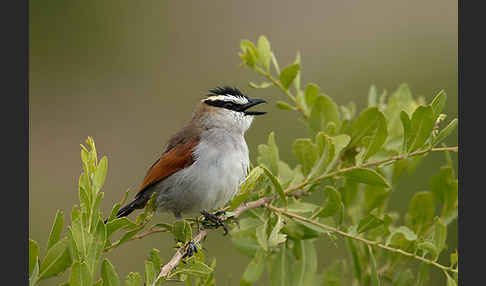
[
  {"x": 369, "y": 164},
  {"x": 264, "y": 201},
  {"x": 277, "y": 83},
  {"x": 364, "y": 240},
  {"x": 176, "y": 259}
]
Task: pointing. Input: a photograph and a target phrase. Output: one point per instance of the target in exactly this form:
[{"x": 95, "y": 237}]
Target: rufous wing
[{"x": 175, "y": 159}]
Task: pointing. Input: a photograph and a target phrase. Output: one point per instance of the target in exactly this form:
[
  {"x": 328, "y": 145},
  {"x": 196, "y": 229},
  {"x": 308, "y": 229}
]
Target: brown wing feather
[{"x": 175, "y": 159}]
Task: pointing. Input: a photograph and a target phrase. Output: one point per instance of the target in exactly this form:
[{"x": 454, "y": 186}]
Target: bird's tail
[{"x": 137, "y": 203}]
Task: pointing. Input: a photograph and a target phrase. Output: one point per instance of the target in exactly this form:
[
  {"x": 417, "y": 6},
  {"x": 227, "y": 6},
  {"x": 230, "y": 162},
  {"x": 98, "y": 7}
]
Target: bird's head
[{"x": 228, "y": 107}]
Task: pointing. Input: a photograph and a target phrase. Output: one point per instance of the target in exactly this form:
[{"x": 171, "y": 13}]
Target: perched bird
[{"x": 205, "y": 162}]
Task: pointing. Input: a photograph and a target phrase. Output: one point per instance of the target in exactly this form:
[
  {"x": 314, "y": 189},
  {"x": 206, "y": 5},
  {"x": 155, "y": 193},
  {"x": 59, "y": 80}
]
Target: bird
[{"x": 205, "y": 162}]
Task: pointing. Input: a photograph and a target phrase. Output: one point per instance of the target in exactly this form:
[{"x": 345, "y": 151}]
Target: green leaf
[
  {"x": 276, "y": 184},
  {"x": 440, "y": 235},
  {"x": 286, "y": 174},
  {"x": 301, "y": 230},
  {"x": 375, "y": 198},
  {"x": 150, "y": 272},
  {"x": 421, "y": 127},
  {"x": 268, "y": 154},
  {"x": 326, "y": 153},
  {"x": 306, "y": 152},
  {"x": 197, "y": 269},
  {"x": 421, "y": 210},
  {"x": 261, "y": 236},
  {"x": 372, "y": 96},
  {"x": 366, "y": 176},
  {"x": 264, "y": 84},
  {"x": 324, "y": 111},
  {"x": 96, "y": 246},
  {"x": 118, "y": 223},
  {"x": 280, "y": 268},
  {"x": 288, "y": 74},
  {"x": 400, "y": 100},
  {"x": 438, "y": 104},
  {"x": 108, "y": 274},
  {"x": 245, "y": 244},
  {"x": 100, "y": 174},
  {"x": 128, "y": 235},
  {"x": 334, "y": 204},
  {"x": 400, "y": 235},
  {"x": 284, "y": 105},
  {"x": 33, "y": 255},
  {"x": 450, "y": 281},
  {"x": 454, "y": 258},
  {"x": 428, "y": 247},
  {"x": 445, "y": 132},
  {"x": 423, "y": 275},
  {"x": 249, "y": 55},
  {"x": 444, "y": 186},
  {"x": 340, "y": 141},
  {"x": 34, "y": 273},
  {"x": 311, "y": 94},
  {"x": 255, "y": 176},
  {"x": 264, "y": 52},
  {"x": 80, "y": 275},
  {"x": 84, "y": 192},
  {"x": 375, "y": 281},
  {"x": 56, "y": 261},
  {"x": 406, "y": 124},
  {"x": 305, "y": 267},
  {"x": 133, "y": 279},
  {"x": 369, "y": 130},
  {"x": 369, "y": 222},
  {"x": 182, "y": 231},
  {"x": 276, "y": 237},
  {"x": 298, "y": 206},
  {"x": 356, "y": 259},
  {"x": 155, "y": 258},
  {"x": 56, "y": 229},
  {"x": 255, "y": 268}
]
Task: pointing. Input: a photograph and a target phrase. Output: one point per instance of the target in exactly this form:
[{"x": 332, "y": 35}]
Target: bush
[{"x": 354, "y": 160}]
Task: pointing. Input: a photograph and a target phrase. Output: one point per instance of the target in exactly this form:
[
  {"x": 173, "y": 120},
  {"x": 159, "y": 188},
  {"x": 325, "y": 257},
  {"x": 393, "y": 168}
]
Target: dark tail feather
[{"x": 128, "y": 209}]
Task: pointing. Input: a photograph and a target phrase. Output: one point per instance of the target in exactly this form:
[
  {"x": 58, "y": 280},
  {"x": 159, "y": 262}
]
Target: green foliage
[
  {"x": 349, "y": 164},
  {"x": 357, "y": 162}
]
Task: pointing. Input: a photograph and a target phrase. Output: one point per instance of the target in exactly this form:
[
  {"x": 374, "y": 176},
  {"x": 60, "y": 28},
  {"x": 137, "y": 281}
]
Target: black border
[
  {"x": 14, "y": 116},
  {"x": 471, "y": 65}
]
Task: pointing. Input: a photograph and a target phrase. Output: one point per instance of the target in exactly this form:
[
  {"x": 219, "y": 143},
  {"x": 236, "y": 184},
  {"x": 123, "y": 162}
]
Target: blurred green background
[{"x": 129, "y": 73}]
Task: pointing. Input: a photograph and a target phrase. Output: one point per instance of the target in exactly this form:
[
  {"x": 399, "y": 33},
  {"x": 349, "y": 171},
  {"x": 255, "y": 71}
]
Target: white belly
[{"x": 210, "y": 182}]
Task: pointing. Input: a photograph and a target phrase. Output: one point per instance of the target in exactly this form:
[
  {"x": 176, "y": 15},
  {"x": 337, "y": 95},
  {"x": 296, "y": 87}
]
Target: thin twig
[
  {"x": 364, "y": 240},
  {"x": 369, "y": 164},
  {"x": 277, "y": 83}
]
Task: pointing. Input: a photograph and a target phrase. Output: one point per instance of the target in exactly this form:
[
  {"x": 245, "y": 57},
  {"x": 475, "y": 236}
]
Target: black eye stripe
[{"x": 221, "y": 103}]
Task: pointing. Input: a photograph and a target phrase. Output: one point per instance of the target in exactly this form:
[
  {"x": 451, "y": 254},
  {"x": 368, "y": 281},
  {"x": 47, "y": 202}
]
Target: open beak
[{"x": 251, "y": 103}]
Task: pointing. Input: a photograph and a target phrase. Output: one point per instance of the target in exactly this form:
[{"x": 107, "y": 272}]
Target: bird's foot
[
  {"x": 213, "y": 220},
  {"x": 190, "y": 249}
]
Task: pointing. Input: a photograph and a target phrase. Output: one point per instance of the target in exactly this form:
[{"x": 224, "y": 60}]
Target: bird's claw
[{"x": 213, "y": 220}]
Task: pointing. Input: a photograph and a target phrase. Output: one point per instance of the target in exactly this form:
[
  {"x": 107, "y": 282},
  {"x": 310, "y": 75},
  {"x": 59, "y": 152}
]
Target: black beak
[{"x": 251, "y": 103}]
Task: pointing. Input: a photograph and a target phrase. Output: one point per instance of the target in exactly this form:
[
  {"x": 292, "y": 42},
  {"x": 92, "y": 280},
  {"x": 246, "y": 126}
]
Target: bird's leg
[{"x": 214, "y": 220}]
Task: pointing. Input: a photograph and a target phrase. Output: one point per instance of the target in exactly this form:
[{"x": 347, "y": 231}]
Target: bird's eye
[{"x": 228, "y": 105}]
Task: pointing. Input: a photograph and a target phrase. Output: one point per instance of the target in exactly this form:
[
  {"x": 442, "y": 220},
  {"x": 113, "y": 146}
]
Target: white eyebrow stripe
[{"x": 235, "y": 99}]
